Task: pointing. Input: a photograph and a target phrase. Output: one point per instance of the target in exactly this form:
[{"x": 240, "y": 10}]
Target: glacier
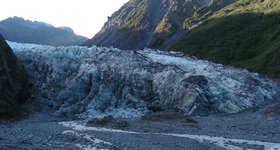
[{"x": 97, "y": 81}]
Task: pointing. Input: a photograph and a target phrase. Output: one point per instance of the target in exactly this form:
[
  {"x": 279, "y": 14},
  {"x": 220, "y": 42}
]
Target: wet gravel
[{"x": 43, "y": 131}]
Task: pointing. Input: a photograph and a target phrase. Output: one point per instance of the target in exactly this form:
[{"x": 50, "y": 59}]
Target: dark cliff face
[
  {"x": 13, "y": 82},
  {"x": 144, "y": 23},
  {"x": 24, "y": 31}
]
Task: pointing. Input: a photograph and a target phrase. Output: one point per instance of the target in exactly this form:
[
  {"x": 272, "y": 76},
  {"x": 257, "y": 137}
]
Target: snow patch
[
  {"x": 80, "y": 127},
  {"x": 95, "y": 141}
]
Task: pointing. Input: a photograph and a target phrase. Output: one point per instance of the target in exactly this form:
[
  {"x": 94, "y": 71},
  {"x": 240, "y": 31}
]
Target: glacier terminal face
[{"x": 93, "y": 82}]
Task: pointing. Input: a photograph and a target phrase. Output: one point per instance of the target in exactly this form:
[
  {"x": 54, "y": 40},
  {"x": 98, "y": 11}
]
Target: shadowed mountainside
[
  {"x": 13, "y": 82},
  {"x": 19, "y": 30}
]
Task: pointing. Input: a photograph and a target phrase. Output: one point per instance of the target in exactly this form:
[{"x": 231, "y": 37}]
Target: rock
[
  {"x": 13, "y": 82},
  {"x": 121, "y": 124},
  {"x": 97, "y": 82},
  {"x": 273, "y": 110},
  {"x": 100, "y": 121},
  {"x": 189, "y": 120}
]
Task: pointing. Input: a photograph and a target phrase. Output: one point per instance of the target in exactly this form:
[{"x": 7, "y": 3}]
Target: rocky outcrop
[
  {"x": 13, "y": 82},
  {"x": 98, "y": 81},
  {"x": 24, "y": 31}
]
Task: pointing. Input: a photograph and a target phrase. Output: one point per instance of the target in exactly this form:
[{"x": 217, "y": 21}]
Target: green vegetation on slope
[
  {"x": 206, "y": 11},
  {"x": 244, "y": 34}
]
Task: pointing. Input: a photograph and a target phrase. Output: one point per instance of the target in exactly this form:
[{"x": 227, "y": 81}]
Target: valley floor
[{"x": 253, "y": 129}]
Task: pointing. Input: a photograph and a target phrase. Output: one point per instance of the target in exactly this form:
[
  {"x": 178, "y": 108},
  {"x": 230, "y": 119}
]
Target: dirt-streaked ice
[{"x": 96, "y": 81}]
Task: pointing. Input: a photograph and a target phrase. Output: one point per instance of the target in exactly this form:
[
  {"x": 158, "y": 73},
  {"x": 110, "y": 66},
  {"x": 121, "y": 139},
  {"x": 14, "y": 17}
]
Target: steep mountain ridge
[
  {"x": 244, "y": 34},
  {"x": 140, "y": 23},
  {"x": 153, "y": 23},
  {"x": 19, "y": 30}
]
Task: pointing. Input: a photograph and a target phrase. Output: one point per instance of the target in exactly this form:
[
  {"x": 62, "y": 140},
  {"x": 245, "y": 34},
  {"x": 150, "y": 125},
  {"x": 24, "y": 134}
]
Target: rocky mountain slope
[
  {"x": 19, "y": 30},
  {"x": 85, "y": 82},
  {"x": 244, "y": 34},
  {"x": 13, "y": 82},
  {"x": 153, "y": 23}
]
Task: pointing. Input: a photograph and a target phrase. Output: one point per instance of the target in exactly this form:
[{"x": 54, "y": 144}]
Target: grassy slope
[
  {"x": 244, "y": 34},
  {"x": 203, "y": 13}
]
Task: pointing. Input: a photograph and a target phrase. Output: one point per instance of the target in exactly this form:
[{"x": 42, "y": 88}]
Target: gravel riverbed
[{"x": 256, "y": 128}]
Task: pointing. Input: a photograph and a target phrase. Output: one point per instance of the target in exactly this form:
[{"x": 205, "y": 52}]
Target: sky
[{"x": 85, "y": 17}]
